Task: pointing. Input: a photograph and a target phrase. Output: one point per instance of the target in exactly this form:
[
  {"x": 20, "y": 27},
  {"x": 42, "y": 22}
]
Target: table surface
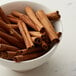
[{"x": 63, "y": 62}]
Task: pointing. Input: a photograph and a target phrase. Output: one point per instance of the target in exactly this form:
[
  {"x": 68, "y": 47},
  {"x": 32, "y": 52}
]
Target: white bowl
[{"x": 30, "y": 64}]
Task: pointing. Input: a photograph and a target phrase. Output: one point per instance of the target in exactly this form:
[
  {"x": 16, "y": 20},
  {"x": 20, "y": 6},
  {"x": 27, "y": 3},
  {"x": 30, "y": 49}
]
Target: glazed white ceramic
[{"x": 30, "y": 64}]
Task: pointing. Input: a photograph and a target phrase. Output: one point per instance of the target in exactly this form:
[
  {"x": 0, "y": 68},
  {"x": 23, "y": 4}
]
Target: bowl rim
[{"x": 42, "y": 56}]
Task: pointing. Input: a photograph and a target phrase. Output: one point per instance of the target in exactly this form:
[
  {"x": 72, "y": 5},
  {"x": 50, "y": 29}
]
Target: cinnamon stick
[
  {"x": 20, "y": 58},
  {"x": 43, "y": 36},
  {"x": 54, "y": 16},
  {"x": 48, "y": 26},
  {"x": 28, "y": 51},
  {"x": 45, "y": 46},
  {"x": 8, "y": 55},
  {"x": 3, "y": 55},
  {"x": 2, "y": 30},
  {"x": 10, "y": 15},
  {"x": 59, "y": 34},
  {"x": 25, "y": 18},
  {"x": 25, "y": 34},
  {"x": 1, "y": 19},
  {"x": 4, "y": 26},
  {"x": 33, "y": 17},
  {"x": 5, "y": 47},
  {"x": 10, "y": 30},
  {"x": 0, "y": 55},
  {"x": 2, "y": 41},
  {"x": 16, "y": 35},
  {"x": 12, "y": 40},
  {"x": 13, "y": 19},
  {"x": 14, "y": 26},
  {"x": 36, "y": 40},
  {"x": 35, "y": 33},
  {"x": 11, "y": 54},
  {"x": 3, "y": 16}
]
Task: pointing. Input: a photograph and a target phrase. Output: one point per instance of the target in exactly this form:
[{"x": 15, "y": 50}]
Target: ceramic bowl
[{"x": 29, "y": 64}]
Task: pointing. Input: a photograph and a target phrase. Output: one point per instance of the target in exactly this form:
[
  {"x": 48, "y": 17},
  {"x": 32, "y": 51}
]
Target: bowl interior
[{"x": 19, "y": 6}]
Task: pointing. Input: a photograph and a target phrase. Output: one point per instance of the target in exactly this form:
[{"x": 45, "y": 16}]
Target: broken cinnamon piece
[
  {"x": 11, "y": 54},
  {"x": 48, "y": 26},
  {"x": 33, "y": 17},
  {"x": 2, "y": 41},
  {"x": 54, "y": 16},
  {"x": 20, "y": 58},
  {"x": 36, "y": 40},
  {"x": 25, "y": 18},
  {"x": 3, "y": 16},
  {"x": 28, "y": 51},
  {"x": 25, "y": 34},
  {"x": 12, "y": 40},
  {"x": 5, "y": 47}
]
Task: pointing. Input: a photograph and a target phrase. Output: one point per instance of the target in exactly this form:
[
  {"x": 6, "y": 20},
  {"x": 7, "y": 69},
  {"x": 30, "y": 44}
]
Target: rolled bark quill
[
  {"x": 14, "y": 26},
  {"x": 1, "y": 29},
  {"x": 5, "y": 47},
  {"x": 10, "y": 15},
  {"x": 2, "y": 41},
  {"x": 12, "y": 40},
  {"x": 4, "y": 26},
  {"x": 20, "y": 58},
  {"x": 13, "y": 19},
  {"x": 43, "y": 36},
  {"x": 0, "y": 18},
  {"x": 3, "y": 16},
  {"x": 16, "y": 35},
  {"x": 3, "y": 55},
  {"x": 11, "y": 54},
  {"x": 54, "y": 16},
  {"x": 28, "y": 51},
  {"x": 25, "y": 18},
  {"x": 45, "y": 46},
  {"x": 48, "y": 26},
  {"x": 33, "y": 17},
  {"x": 25, "y": 34},
  {"x": 0, "y": 55},
  {"x": 10, "y": 30},
  {"x": 35, "y": 34},
  {"x": 59, "y": 34},
  {"x": 36, "y": 40}
]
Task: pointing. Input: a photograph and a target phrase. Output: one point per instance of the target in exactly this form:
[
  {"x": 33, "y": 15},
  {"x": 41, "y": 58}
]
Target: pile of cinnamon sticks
[{"x": 25, "y": 36}]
